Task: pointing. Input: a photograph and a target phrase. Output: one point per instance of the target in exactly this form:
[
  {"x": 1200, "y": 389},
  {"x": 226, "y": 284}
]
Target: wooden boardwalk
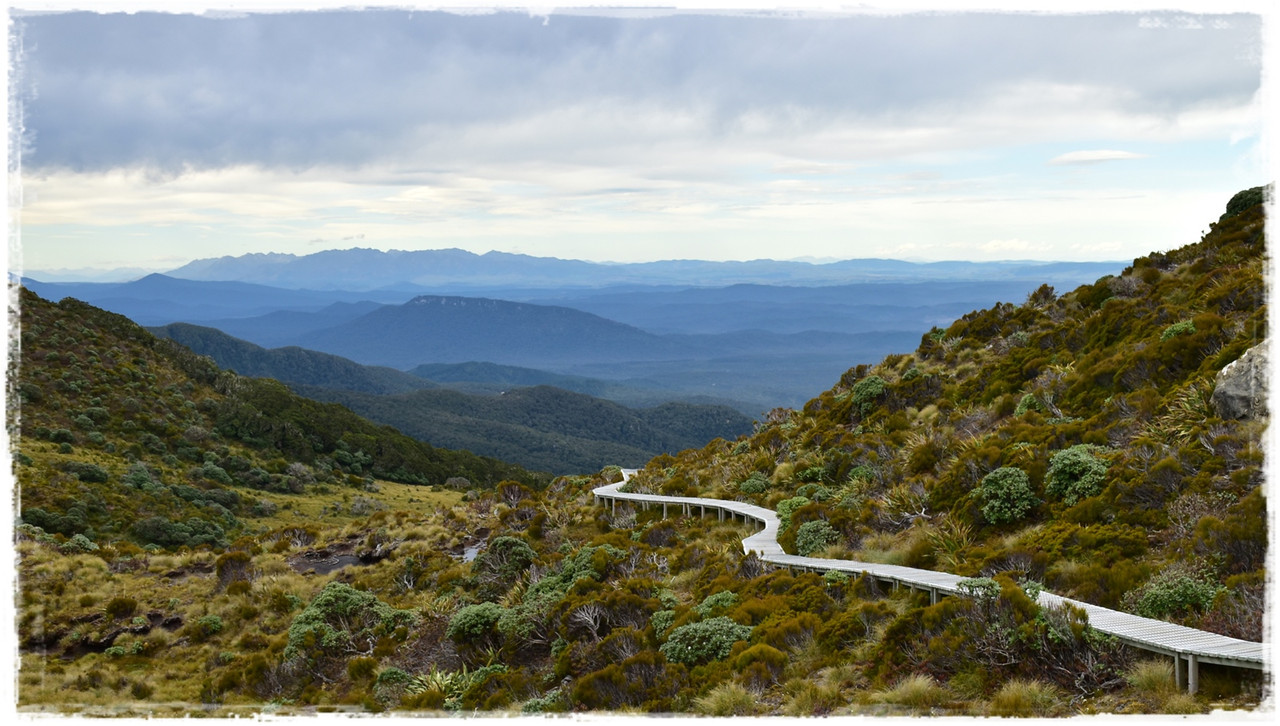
[{"x": 1187, "y": 646}]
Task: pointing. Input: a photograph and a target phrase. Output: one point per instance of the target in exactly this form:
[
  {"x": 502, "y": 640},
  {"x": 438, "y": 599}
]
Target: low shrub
[
  {"x": 814, "y": 536},
  {"x": 1007, "y": 495},
  {"x": 703, "y": 641}
]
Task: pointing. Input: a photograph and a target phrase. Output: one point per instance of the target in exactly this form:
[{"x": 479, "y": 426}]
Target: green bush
[
  {"x": 1173, "y": 592},
  {"x": 1028, "y": 402},
  {"x": 342, "y": 619},
  {"x": 1185, "y": 327},
  {"x": 814, "y": 536},
  {"x": 866, "y": 394},
  {"x": 1075, "y": 474},
  {"x": 473, "y": 623},
  {"x": 505, "y": 557},
  {"x": 786, "y": 508},
  {"x": 703, "y": 641},
  {"x": 1245, "y": 199},
  {"x": 1007, "y": 495},
  {"x": 717, "y": 602},
  {"x": 121, "y": 607},
  {"x": 662, "y": 621},
  {"x": 757, "y": 483}
]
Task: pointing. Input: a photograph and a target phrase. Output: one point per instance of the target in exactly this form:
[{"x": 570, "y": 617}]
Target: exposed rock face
[{"x": 1240, "y": 390}]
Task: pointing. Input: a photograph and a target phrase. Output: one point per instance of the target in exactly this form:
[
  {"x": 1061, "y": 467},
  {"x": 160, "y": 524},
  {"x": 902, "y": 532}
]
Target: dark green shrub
[
  {"x": 719, "y": 602},
  {"x": 88, "y": 472},
  {"x": 1007, "y": 495},
  {"x": 504, "y": 559},
  {"x": 1075, "y": 474},
  {"x": 866, "y": 394},
  {"x": 475, "y": 623},
  {"x": 121, "y": 607},
  {"x": 703, "y": 641},
  {"x": 1244, "y": 200},
  {"x": 1173, "y": 592},
  {"x": 341, "y": 619},
  {"x": 756, "y": 483},
  {"x": 814, "y": 536}
]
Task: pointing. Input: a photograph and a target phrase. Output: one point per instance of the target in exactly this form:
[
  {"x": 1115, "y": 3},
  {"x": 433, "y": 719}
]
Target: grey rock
[{"x": 1240, "y": 391}]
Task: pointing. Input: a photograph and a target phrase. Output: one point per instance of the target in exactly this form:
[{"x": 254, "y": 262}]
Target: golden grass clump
[
  {"x": 1152, "y": 677},
  {"x": 1025, "y": 698},
  {"x": 1181, "y": 704},
  {"x": 807, "y": 698},
  {"x": 727, "y": 699},
  {"x": 915, "y": 691}
]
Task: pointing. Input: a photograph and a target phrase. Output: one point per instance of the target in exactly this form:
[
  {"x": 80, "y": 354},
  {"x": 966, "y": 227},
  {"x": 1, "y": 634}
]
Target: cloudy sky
[{"x": 152, "y": 139}]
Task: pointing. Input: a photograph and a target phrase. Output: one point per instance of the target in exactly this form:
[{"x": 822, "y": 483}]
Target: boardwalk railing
[{"x": 1187, "y": 646}]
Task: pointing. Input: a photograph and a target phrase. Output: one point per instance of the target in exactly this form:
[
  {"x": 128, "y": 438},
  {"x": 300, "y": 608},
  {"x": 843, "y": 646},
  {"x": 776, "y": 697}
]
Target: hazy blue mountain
[
  {"x": 158, "y": 299},
  {"x": 855, "y": 308},
  {"x": 290, "y": 365},
  {"x": 281, "y": 327},
  {"x": 445, "y": 329},
  {"x": 454, "y": 270}
]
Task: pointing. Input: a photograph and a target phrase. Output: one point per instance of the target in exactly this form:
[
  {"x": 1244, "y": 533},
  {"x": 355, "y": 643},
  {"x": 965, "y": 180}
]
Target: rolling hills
[{"x": 542, "y": 428}]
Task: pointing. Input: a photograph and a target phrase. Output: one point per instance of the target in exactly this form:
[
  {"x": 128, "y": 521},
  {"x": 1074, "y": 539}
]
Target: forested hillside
[
  {"x": 541, "y": 428},
  {"x": 122, "y": 434},
  {"x": 1071, "y": 442},
  {"x": 290, "y": 364}
]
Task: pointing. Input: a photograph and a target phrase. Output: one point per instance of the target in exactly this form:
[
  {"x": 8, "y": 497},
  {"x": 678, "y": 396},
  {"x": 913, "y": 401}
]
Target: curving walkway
[{"x": 1187, "y": 646}]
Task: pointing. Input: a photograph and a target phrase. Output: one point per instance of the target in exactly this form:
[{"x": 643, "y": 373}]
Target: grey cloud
[{"x": 355, "y": 88}]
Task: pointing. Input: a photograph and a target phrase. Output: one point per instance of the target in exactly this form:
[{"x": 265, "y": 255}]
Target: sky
[{"x": 150, "y": 139}]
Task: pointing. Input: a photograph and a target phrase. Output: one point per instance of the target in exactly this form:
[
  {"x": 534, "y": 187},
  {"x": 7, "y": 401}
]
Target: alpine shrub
[
  {"x": 757, "y": 483},
  {"x": 703, "y": 641},
  {"x": 720, "y": 601},
  {"x": 1075, "y": 474},
  {"x": 474, "y": 622},
  {"x": 1185, "y": 327},
  {"x": 866, "y": 393},
  {"x": 814, "y": 536},
  {"x": 1173, "y": 592},
  {"x": 1007, "y": 495}
]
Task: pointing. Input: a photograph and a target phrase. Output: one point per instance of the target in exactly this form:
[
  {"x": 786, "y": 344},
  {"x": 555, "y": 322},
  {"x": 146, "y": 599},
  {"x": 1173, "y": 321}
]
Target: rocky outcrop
[{"x": 1240, "y": 391}]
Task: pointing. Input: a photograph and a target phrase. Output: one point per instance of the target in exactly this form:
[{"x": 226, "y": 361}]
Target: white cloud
[{"x": 1094, "y": 156}]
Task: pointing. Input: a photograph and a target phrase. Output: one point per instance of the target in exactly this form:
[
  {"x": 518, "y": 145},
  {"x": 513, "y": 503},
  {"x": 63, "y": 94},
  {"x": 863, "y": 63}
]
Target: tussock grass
[
  {"x": 1152, "y": 678},
  {"x": 916, "y": 691},
  {"x": 882, "y": 548},
  {"x": 727, "y": 699},
  {"x": 836, "y": 551},
  {"x": 1181, "y": 703},
  {"x": 1024, "y": 698},
  {"x": 807, "y": 698}
]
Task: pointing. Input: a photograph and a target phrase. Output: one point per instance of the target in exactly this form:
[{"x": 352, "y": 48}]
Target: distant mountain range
[
  {"x": 754, "y": 334},
  {"x": 462, "y": 271}
]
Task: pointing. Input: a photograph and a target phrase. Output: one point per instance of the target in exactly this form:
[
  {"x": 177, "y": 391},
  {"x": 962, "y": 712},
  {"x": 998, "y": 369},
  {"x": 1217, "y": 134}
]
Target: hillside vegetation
[
  {"x": 1068, "y": 442},
  {"x": 126, "y": 435},
  {"x": 540, "y": 427}
]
